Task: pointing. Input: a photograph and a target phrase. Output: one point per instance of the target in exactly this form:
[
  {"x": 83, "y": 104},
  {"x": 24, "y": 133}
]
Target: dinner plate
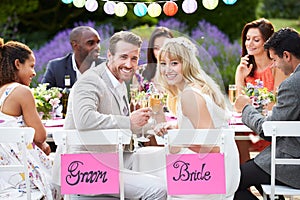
[{"x": 53, "y": 123}]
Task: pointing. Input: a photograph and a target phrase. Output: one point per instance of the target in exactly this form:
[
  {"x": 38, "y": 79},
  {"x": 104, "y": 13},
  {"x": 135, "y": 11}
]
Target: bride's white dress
[{"x": 220, "y": 120}]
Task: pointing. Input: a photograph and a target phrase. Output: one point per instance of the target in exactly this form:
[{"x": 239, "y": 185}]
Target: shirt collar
[
  {"x": 75, "y": 68},
  {"x": 114, "y": 81},
  {"x": 74, "y": 65}
]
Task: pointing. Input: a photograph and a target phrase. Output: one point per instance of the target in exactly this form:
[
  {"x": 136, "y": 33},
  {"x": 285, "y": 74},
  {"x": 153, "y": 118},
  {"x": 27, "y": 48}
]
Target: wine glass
[
  {"x": 155, "y": 105},
  {"x": 143, "y": 104},
  {"x": 232, "y": 93}
]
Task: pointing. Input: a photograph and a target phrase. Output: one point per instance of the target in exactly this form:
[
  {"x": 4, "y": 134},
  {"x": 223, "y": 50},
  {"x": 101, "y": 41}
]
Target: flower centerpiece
[
  {"x": 46, "y": 100},
  {"x": 259, "y": 95},
  {"x": 148, "y": 88}
]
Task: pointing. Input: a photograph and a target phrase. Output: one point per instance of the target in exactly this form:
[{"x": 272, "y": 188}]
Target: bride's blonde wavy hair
[{"x": 184, "y": 51}]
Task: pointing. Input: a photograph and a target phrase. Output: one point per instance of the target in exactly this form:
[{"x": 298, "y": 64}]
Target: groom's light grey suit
[
  {"x": 287, "y": 109},
  {"x": 94, "y": 91}
]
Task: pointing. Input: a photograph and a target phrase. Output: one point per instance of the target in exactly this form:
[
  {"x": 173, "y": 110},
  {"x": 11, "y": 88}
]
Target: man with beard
[
  {"x": 85, "y": 42},
  {"x": 284, "y": 51},
  {"x": 98, "y": 100}
]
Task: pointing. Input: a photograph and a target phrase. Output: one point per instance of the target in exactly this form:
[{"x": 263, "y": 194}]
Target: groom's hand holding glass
[{"x": 140, "y": 117}]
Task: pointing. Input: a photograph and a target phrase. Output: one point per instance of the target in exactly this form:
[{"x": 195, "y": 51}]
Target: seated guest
[
  {"x": 201, "y": 105},
  {"x": 85, "y": 42},
  {"x": 98, "y": 100},
  {"x": 284, "y": 50},
  {"x": 156, "y": 41},
  {"x": 17, "y": 108},
  {"x": 255, "y": 64}
]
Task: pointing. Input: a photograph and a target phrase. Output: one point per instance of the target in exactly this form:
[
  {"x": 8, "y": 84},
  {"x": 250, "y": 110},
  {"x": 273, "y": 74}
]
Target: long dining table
[{"x": 57, "y": 124}]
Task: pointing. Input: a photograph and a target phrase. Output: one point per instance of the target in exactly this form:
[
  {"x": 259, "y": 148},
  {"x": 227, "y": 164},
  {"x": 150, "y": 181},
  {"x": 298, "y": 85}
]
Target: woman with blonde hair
[{"x": 200, "y": 104}]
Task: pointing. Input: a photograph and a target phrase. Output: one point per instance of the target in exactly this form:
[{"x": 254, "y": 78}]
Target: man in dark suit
[
  {"x": 85, "y": 42},
  {"x": 284, "y": 50}
]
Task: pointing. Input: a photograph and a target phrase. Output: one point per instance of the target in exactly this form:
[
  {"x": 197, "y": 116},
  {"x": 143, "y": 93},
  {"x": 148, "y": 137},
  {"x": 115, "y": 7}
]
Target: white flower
[{"x": 54, "y": 102}]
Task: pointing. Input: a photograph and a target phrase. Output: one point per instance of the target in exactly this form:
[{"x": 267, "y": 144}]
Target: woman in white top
[
  {"x": 17, "y": 108},
  {"x": 200, "y": 104}
]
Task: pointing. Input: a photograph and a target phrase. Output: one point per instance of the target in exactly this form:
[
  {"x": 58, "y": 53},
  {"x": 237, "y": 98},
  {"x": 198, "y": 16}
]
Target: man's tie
[{"x": 125, "y": 109}]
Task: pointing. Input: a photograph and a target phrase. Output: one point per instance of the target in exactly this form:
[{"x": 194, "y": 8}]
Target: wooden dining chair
[
  {"x": 102, "y": 171},
  {"x": 197, "y": 173},
  {"x": 276, "y": 129},
  {"x": 23, "y": 136}
]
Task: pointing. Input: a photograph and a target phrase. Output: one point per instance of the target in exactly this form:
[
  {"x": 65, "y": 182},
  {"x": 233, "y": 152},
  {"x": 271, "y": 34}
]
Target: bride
[{"x": 200, "y": 105}]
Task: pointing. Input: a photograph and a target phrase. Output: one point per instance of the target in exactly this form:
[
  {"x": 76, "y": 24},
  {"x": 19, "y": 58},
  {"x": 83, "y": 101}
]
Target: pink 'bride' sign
[
  {"x": 196, "y": 174},
  {"x": 90, "y": 173}
]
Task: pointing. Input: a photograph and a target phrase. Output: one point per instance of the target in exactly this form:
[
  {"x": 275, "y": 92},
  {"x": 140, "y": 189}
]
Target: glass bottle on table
[
  {"x": 133, "y": 96},
  {"x": 65, "y": 95}
]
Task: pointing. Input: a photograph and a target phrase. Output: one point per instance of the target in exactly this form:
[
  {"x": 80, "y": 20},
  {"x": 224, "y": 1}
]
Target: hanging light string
[
  {"x": 135, "y": 2},
  {"x": 154, "y": 9}
]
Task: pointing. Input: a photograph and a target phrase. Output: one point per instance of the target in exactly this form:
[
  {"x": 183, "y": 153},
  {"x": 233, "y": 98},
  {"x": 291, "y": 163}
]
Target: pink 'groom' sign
[
  {"x": 196, "y": 174},
  {"x": 90, "y": 173}
]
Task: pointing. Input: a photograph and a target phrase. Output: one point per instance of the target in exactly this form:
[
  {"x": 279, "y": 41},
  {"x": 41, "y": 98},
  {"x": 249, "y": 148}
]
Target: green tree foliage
[
  {"x": 228, "y": 18},
  {"x": 288, "y": 9},
  {"x": 39, "y": 20},
  {"x": 20, "y": 7}
]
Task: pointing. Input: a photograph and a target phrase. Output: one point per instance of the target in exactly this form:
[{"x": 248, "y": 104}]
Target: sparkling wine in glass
[
  {"x": 232, "y": 93},
  {"x": 154, "y": 103},
  {"x": 143, "y": 104}
]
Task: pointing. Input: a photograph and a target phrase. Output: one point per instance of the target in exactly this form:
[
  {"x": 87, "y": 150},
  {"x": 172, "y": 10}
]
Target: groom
[{"x": 98, "y": 100}]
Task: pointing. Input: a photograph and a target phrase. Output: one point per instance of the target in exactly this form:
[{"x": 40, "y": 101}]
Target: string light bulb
[
  {"x": 210, "y": 4},
  {"x": 170, "y": 8},
  {"x": 229, "y": 2},
  {"x": 189, "y": 6},
  {"x": 140, "y": 9},
  {"x": 121, "y": 9},
  {"x": 154, "y": 9},
  {"x": 91, "y": 5},
  {"x": 67, "y": 1},
  {"x": 109, "y": 7},
  {"x": 79, "y": 3}
]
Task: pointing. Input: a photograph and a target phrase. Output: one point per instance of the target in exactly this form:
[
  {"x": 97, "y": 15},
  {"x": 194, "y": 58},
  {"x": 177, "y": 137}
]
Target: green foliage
[
  {"x": 288, "y": 9},
  {"x": 230, "y": 19},
  {"x": 20, "y": 7},
  {"x": 47, "y": 17},
  {"x": 280, "y": 23}
]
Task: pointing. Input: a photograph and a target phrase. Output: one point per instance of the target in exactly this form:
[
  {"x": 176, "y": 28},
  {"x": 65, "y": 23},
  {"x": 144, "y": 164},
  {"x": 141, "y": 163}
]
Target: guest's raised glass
[{"x": 232, "y": 93}]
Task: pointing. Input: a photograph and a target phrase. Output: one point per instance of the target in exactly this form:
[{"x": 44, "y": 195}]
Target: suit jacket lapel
[{"x": 104, "y": 76}]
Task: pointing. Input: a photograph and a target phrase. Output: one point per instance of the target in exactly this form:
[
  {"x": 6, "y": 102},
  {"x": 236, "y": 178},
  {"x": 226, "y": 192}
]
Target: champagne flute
[
  {"x": 155, "y": 105},
  {"x": 232, "y": 93},
  {"x": 144, "y": 104}
]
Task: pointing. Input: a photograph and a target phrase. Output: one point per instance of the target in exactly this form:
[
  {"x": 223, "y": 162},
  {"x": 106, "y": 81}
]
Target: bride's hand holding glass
[{"x": 162, "y": 128}]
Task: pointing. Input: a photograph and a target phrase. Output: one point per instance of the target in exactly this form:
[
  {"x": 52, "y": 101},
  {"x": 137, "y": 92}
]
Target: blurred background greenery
[{"x": 44, "y": 26}]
